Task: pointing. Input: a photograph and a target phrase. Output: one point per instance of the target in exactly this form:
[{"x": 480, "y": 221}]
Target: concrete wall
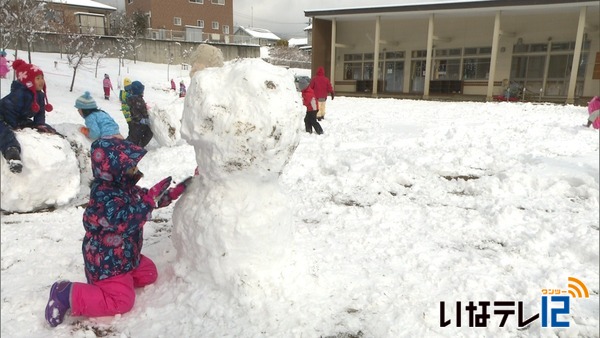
[{"x": 156, "y": 51}]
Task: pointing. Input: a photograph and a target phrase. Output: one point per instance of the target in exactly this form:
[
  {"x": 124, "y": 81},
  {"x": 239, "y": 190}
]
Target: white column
[
  {"x": 492, "y": 73},
  {"x": 333, "y": 43},
  {"x": 576, "y": 56},
  {"x": 428, "y": 59},
  {"x": 376, "y": 55}
]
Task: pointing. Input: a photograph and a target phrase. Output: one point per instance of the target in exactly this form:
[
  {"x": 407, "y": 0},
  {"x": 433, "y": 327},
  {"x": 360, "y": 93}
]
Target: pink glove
[
  {"x": 174, "y": 193},
  {"x": 155, "y": 193}
]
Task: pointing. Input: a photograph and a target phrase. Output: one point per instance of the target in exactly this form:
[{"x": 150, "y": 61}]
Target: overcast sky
[{"x": 286, "y": 18}]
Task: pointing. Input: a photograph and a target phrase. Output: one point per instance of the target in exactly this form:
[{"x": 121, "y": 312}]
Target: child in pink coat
[
  {"x": 107, "y": 85},
  {"x": 594, "y": 111},
  {"x": 3, "y": 65}
]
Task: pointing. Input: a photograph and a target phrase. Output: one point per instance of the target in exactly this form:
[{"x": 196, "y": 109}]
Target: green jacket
[{"x": 123, "y": 94}]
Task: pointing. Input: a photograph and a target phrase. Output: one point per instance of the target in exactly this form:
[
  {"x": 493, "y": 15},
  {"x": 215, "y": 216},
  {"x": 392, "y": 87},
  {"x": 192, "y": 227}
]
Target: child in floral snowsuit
[{"x": 114, "y": 221}]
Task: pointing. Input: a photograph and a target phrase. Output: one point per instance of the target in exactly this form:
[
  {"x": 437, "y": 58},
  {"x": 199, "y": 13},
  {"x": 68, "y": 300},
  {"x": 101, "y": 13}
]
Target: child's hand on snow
[{"x": 85, "y": 131}]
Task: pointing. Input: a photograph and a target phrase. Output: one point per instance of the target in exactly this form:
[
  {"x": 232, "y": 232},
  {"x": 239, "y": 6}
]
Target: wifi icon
[{"x": 577, "y": 289}]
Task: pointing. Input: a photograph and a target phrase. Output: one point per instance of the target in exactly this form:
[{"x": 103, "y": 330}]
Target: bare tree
[
  {"x": 21, "y": 20},
  {"x": 79, "y": 47},
  {"x": 125, "y": 42},
  {"x": 289, "y": 56},
  {"x": 140, "y": 25}
]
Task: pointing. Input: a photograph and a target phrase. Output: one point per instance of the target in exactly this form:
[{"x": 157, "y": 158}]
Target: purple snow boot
[{"x": 58, "y": 302}]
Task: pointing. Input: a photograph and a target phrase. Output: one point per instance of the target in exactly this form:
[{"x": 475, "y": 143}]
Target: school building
[{"x": 548, "y": 47}]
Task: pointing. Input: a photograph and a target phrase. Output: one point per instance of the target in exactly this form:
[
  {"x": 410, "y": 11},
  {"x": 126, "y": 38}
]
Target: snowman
[{"x": 233, "y": 228}]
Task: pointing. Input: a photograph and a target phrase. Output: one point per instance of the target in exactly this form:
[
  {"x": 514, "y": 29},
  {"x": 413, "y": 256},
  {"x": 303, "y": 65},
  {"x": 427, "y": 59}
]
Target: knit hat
[
  {"x": 26, "y": 74},
  {"x": 126, "y": 82},
  {"x": 85, "y": 101},
  {"x": 302, "y": 84},
  {"x": 137, "y": 88}
]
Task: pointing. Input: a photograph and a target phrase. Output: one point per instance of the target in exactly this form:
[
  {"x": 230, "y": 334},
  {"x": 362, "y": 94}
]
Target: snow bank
[{"x": 43, "y": 156}]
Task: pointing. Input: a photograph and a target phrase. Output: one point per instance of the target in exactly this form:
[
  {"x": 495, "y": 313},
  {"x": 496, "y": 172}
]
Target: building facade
[
  {"x": 548, "y": 48},
  {"x": 84, "y": 17},
  {"x": 186, "y": 20},
  {"x": 260, "y": 36}
]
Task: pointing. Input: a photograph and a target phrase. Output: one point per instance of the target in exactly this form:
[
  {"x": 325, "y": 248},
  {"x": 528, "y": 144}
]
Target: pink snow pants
[{"x": 114, "y": 295}]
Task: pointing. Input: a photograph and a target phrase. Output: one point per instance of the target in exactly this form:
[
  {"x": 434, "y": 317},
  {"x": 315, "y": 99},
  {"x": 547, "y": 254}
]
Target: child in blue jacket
[
  {"x": 98, "y": 124},
  {"x": 24, "y": 107}
]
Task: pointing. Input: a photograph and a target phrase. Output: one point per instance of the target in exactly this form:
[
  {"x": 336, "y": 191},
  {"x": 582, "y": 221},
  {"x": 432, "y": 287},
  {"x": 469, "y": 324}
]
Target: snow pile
[
  {"x": 233, "y": 225},
  {"x": 43, "y": 156},
  {"x": 165, "y": 122}
]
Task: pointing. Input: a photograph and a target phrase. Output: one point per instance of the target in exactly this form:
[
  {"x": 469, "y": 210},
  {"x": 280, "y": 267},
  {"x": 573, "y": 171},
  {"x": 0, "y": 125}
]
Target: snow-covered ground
[{"x": 399, "y": 206}]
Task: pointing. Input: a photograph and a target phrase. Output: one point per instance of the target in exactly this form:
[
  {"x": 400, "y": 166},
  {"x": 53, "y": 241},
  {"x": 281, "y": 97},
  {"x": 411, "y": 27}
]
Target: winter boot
[
  {"x": 13, "y": 157},
  {"x": 58, "y": 302}
]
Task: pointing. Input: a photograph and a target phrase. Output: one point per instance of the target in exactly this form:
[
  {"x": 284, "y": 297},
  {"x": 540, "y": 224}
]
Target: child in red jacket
[
  {"x": 321, "y": 85},
  {"x": 312, "y": 107}
]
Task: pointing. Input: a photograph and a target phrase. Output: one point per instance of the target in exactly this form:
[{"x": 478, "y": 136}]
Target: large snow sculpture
[{"x": 233, "y": 226}]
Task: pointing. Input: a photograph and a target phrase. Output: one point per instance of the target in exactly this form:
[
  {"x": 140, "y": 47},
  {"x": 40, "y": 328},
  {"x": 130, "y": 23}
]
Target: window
[
  {"x": 91, "y": 23},
  {"x": 394, "y": 55},
  {"x": 225, "y": 29},
  {"x": 353, "y": 66},
  {"x": 446, "y": 69},
  {"x": 197, "y": 1},
  {"x": 419, "y": 53},
  {"x": 177, "y": 21},
  {"x": 361, "y": 66},
  {"x": 200, "y": 23},
  {"x": 476, "y": 68},
  {"x": 217, "y": 2},
  {"x": 129, "y": 1},
  {"x": 215, "y": 25}
]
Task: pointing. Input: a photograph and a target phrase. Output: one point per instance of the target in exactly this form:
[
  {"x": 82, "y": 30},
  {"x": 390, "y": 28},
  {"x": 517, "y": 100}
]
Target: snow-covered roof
[
  {"x": 309, "y": 27},
  {"x": 83, "y": 3},
  {"x": 297, "y": 42},
  {"x": 260, "y": 33}
]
